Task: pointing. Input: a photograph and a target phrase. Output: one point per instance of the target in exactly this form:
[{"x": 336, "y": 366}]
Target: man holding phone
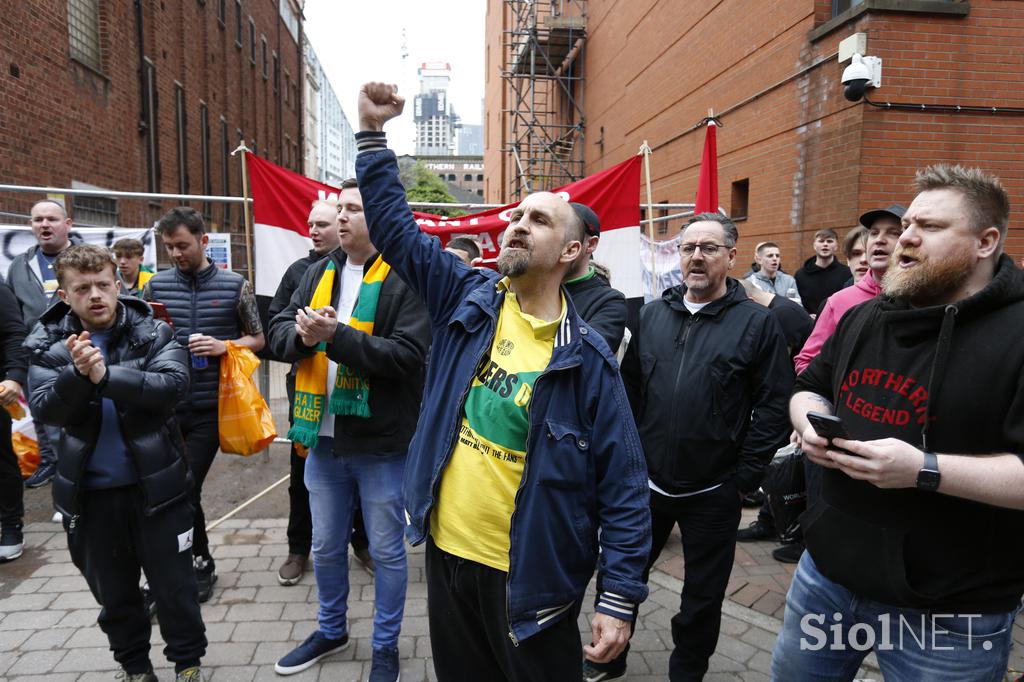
[{"x": 903, "y": 535}]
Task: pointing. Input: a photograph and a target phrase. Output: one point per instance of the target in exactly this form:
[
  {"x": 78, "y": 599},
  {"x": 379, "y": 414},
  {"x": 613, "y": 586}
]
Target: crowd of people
[{"x": 485, "y": 414}]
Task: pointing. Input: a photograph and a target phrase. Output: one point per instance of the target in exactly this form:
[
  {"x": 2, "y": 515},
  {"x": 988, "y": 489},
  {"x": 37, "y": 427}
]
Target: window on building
[
  {"x": 222, "y": 12},
  {"x": 661, "y": 229},
  {"x": 238, "y": 24},
  {"x": 480, "y": 177},
  {"x": 252, "y": 41},
  {"x": 149, "y": 121},
  {"x": 265, "y": 62},
  {"x": 277, "y": 72},
  {"x": 180, "y": 124},
  {"x": 451, "y": 177},
  {"x": 225, "y": 174},
  {"x": 287, "y": 88},
  {"x": 468, "y": 177},
  {"x": 840, "y": 6},
  {"x": 479, "y": 192},
  {"x": 740, "y": 197},
  {"x": 94, "y": 211},
  {"x": 204, "y": 152},
  {"x": 84, "y": 32}
]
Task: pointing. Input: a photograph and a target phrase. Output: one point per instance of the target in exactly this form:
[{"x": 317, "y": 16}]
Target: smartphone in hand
[{"x": 828, "y": 426}]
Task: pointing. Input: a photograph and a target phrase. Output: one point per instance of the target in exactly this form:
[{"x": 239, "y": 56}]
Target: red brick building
[
  {"x": 794, "y": 155},
  {"x": 147, "y": 97}
]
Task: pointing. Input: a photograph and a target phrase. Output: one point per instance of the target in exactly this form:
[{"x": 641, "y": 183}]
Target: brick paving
[{"x": 48, "y": 618}]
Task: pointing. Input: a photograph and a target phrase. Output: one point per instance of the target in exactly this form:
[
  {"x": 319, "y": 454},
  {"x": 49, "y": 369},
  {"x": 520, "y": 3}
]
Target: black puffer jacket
[
  {"x": 709, "y": 391},
  {"x": 147, "y": 375}
]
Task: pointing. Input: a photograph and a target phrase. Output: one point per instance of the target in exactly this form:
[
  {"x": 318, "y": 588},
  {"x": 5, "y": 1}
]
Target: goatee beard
[{"x": 513, "y": 264}]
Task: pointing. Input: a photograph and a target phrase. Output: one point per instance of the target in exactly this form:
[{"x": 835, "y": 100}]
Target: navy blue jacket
[{"x": 584, "y": 468}]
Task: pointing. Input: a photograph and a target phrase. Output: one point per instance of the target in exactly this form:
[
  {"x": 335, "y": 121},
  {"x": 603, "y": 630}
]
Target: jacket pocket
[{"x": 564, "y": 457}]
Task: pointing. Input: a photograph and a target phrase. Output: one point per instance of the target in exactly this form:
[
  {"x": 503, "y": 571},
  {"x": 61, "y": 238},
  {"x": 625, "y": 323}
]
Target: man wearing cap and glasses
[
  {"x": 708, "y": 378},
  {"x": 600, "y": 306}
]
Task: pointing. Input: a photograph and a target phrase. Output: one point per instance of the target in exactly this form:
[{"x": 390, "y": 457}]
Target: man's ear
[
  {"x": 63, "y": 295},
  {"x": 570, "y": 252},
  {"x": 988, "y": 242},
  {"x": 204, "y": 241}
]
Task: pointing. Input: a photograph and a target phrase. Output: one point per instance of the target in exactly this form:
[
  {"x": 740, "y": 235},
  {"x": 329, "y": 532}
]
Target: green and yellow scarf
[{"x": 351, "y": 392}]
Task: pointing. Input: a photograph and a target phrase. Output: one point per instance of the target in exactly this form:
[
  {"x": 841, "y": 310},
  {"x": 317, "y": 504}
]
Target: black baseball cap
[
  {"x": 896, "y": 211},
  {"x": 591, "y": 223}
]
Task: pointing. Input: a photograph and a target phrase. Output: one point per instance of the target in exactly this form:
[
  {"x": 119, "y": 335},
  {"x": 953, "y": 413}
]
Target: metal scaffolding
[{"x": 543, "y": 76}]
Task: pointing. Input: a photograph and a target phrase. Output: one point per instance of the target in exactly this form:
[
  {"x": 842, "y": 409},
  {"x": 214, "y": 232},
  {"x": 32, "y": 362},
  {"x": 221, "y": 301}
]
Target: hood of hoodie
[{"x": 811, "y": 265}]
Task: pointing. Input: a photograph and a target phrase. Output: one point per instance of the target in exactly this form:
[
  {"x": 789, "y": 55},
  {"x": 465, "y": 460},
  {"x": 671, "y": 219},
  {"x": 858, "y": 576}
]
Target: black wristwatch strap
[{"x": 928, "y": 477}]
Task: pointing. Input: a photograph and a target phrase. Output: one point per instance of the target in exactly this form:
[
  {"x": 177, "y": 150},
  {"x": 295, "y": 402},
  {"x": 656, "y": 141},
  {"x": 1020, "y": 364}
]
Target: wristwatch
[{"x": 928, "y": 477}]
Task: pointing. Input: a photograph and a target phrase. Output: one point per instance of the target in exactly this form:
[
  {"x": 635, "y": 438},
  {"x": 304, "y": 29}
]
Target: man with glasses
[{"x": 708, "y": 378}]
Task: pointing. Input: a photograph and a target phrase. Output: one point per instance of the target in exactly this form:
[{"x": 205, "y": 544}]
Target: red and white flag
[{"x": 282, "y": 199}]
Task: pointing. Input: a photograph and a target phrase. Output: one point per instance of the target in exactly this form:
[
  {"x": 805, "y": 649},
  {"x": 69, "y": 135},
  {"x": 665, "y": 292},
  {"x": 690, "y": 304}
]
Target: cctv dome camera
[{"x": 861, "y": 74}]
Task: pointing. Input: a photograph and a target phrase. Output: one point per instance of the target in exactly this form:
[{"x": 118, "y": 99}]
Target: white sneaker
[
  {"x": 57, "y": 517},
  {"x": 12, "y": 544}
]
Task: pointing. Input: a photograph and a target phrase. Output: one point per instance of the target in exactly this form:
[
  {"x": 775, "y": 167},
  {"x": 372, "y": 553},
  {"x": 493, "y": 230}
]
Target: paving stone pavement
[{"x": 48, "y": 618}]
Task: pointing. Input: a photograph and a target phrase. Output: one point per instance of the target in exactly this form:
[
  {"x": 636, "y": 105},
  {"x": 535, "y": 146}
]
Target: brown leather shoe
[
  {"x": 292, "y": 569},
  {"x": 364, "y": 558}
]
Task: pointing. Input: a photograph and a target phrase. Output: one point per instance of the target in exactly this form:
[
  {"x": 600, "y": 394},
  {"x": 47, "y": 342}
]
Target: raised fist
[{"x": 378, "y": 103}]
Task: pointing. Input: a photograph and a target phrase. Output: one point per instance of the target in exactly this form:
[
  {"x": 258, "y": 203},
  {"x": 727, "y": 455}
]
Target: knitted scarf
[{"x": 350, "y": 394}]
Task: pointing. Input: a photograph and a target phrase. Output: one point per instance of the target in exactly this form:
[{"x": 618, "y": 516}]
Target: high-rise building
[
  {"x": 434, "y": 116},
  {"x": 330, "y": 140},
  {"x": 470, "y": 140}
]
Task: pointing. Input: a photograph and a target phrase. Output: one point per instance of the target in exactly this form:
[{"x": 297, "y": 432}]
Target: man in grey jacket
[{"x": 34, "y": 282}]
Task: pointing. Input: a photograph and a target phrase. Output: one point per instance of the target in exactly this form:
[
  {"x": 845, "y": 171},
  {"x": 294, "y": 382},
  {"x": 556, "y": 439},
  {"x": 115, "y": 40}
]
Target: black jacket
[
  {"x": 24, "y": 278},
  {"x": 392, "y": 359},
  {"x": 147, "y": 374},
  {"x": 14, "y": 358},
  {"x": 816, "y": 284},
  {"x": 709, "y": 391},
  {"x": 890, "y": 369},
  {"x": 600, "y": 306}
]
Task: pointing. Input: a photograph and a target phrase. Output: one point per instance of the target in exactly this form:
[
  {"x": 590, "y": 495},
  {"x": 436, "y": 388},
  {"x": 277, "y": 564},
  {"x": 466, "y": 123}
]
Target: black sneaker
[
  {"x": 148, "y": 601},
  {"x": 386, "y": 666},
  {"x": 754, "y": 499},
  {"x": 789, "y": 554},
  {"x": 604, "y": 672},
  {"x": 12, "y": 543},
  {"x": 206, "y": 576},
  {"x": 754, "y": 532},
  {"x": 43, "y": 474}
]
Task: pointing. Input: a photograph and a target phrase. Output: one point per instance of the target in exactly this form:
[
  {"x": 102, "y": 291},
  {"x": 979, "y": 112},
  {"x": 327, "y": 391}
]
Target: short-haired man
[
  {"x": 208, "y": 305},
  {"x": 128, "y": 253},
  {"x": 108, "y": 375},
  {"x": 466, "y": 249},
  {"x": 821, "y": 275},
  {"x": 361, "y": 337},
  {"x": 34, "y": 281},
  {"x": 323, "y": 232},
  {"x": 855, "y": 248},
  {"x": 904, "y": 538},
  {"x": 708, "y": 377},
  {"x": 14, "y": 363},
  {"x": 526, "y": 459},
  {"x": 600, "y": 306},
  {"x": 883, "y": 231},
  {"x": 769, "y": 276}
]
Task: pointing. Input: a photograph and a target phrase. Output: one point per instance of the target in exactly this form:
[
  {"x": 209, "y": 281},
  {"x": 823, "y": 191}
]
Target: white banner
[{"x": 17, "y": 239}]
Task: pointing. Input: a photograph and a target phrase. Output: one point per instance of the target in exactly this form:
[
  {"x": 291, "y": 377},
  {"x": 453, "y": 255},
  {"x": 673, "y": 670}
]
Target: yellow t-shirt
[{"x": 472, "y": 517}]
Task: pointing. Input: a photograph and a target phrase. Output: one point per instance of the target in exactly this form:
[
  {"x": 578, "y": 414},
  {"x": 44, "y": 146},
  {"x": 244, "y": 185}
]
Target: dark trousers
[
  {"x": 200, "y": 430},
  {"x": 112, "y": 540},
  {"x": 469, "y": 628},
  {"x": 707, "y": 523},
  {"x": 46, "y": 437},
  {"x": 300, "y": 521},
  {"x": 12, "y": 489}
]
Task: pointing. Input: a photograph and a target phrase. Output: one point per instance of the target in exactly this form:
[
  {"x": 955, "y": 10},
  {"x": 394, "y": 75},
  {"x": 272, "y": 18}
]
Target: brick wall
[
  {"x": 812, "y": 159},
  {"x": 61, "y": 121}
]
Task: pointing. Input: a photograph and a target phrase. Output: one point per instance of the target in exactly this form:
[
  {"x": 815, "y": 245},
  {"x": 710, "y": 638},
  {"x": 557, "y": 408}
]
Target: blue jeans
[
  {"x": 828, "y": 630},
  {"x": 335, "y": 482}
]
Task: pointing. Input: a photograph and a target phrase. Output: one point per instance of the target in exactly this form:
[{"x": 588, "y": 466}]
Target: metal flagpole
[
  {"x": 645, "y": 149},
  {"x": 245, "y": 211}
]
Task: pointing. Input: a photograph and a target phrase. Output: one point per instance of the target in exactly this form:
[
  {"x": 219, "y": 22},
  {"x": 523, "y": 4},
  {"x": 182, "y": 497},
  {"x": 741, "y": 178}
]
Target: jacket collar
[
  {"x": 133, "y": 319},
  {"x": 734, "y": 294}
]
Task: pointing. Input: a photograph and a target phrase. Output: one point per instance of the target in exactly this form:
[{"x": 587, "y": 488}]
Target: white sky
[{"x": 362, "y": 41}]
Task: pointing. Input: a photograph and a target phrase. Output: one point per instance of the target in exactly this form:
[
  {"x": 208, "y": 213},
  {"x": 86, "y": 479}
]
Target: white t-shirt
[{"x": 351, "y": 278}]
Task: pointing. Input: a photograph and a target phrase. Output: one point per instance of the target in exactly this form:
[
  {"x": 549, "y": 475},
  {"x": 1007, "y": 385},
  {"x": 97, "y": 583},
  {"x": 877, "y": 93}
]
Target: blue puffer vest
[{"x": 202, "y": 303}]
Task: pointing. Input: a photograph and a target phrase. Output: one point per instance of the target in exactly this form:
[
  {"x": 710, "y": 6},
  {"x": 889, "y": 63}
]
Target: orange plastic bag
[
  {"x": 246, "y": 425},
  {"x": 23, "y": 438}
]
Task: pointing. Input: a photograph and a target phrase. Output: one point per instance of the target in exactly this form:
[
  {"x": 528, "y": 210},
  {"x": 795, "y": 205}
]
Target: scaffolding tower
[{"x": 543, "y": 76}]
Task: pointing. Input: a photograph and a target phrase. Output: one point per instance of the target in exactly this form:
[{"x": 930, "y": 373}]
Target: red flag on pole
[{"x": 707, "y": 185}]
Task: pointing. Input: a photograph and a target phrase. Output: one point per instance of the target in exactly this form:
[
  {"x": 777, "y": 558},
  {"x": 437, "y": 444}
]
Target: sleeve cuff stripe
[{"x": 617, "y": 609}]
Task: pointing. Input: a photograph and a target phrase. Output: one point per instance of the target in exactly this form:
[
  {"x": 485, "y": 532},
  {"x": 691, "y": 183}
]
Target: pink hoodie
[{"x": 835, "y": 307}]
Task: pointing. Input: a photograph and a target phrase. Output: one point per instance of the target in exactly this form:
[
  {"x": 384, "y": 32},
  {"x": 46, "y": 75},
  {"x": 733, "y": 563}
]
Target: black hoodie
[
  {"x": 890, "y": 369},
  {"x": 816, "y": 284},
  {"x": 600, "y": 306},
  {"x": 708, "y": 390}
]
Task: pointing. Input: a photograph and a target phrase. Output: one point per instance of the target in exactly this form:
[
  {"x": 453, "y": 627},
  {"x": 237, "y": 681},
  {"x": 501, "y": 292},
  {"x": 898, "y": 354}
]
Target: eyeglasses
[{"x": 708, "y": 249}]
